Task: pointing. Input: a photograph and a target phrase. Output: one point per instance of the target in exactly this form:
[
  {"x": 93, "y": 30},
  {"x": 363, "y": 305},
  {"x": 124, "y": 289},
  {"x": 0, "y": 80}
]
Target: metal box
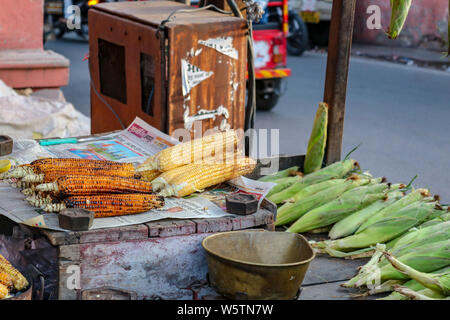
[{"x": 166, "y": 66}]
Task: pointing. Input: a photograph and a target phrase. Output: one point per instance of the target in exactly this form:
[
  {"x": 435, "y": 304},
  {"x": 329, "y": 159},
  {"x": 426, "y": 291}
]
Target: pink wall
[
  {"x": 21, "y": 24},
  {"x": 422, "y": 26}
]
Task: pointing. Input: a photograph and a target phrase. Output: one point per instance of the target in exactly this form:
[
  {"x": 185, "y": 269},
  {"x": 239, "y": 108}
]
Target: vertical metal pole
[{"x": 339, "y": 47}]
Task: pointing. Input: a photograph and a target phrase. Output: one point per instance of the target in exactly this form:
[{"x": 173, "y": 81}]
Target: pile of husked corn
[
  {"x": 195, "y": 165},
  {"x": 360, "y": 212},
  {"x": 105, "y": 187}
]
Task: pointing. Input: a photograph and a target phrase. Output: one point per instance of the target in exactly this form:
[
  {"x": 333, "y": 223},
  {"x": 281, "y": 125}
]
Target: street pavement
[{"x": 400, "y": 114}]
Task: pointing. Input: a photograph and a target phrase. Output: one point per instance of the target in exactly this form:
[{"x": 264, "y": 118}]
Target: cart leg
[{"x": 339, "y": 47}]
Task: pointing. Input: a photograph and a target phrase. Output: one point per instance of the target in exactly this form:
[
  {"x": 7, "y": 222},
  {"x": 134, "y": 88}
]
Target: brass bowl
[{"x": 257, "y": 265}]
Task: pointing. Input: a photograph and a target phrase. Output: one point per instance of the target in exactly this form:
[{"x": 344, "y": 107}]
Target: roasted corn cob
[
  {"x": 317, "y": 140},
  {"x": 197, "y": 177},
  {"x": 19, "y": 281},
  {"x": 110, "y": 205},
  {"x": 198, "y": 150},
  {"x": 49, "y": 169},
  {"x": 90, "y": 185}
]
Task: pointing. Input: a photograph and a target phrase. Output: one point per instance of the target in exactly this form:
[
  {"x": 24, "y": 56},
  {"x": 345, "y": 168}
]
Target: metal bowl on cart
[{"x": 257, "y": 265}]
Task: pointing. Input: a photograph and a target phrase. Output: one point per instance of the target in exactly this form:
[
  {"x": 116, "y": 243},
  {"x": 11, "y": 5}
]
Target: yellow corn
[
  {"x": 110, "y": 205},
  {"x": 150, "y": 175},
  {"x": 3, "y": 291},
  {"x": 19, "y": 281},
  {"x": 197, "y": 177},
  {"x": 197, "y": 150},
  {"x": 5, "y": 279}
]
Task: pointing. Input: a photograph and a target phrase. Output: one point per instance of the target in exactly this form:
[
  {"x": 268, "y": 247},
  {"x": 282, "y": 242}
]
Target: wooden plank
[
  {"x": 339, "y": 46},
  {"x": 139, "y": 231},
  {"x": 170, "y": 228},
  {"x": 68, "y": 263}
]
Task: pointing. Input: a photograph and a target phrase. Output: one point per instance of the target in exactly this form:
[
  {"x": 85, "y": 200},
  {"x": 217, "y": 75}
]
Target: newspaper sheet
[{"x": 135, "y": 144}]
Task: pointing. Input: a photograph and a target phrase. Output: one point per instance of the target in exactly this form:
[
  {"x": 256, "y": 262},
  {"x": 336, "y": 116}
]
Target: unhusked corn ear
[
  {"x": 197, "y": 150},
  {"x": 197, "y": 177},
  {"x": 5, "y": 279},
  {"x": 112, "y": 204},
  {"x": 150, "y": 175},
  {"x": 317, "y": 140},
  {"x": 19, "y": 281},
  {"x": 3, "y": 291},
  {"x": 399, "y": 13},
  {"x": 90, "y": 185}
]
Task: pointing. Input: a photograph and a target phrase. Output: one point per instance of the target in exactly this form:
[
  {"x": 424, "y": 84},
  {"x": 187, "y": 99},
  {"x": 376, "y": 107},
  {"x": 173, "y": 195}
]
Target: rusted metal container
[
  {"x": 249, "y": 265},
  {"x": 167, "y": 65}
]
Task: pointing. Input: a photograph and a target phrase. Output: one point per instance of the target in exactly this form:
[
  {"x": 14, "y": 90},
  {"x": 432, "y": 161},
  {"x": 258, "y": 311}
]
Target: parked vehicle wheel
[
  {"x": 297, "y": 39},
  {"x": 267, "y": 93}
]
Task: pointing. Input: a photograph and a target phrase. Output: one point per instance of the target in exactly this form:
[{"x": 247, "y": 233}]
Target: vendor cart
[{"x": 164, "y": 259}]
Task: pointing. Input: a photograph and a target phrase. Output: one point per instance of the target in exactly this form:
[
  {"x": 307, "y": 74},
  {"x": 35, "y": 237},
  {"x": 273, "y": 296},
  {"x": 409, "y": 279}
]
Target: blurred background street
[{"x": 400, "y": 113}]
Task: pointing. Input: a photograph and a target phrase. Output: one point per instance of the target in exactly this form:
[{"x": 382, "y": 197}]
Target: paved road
[{"x": 400, "y": 114}]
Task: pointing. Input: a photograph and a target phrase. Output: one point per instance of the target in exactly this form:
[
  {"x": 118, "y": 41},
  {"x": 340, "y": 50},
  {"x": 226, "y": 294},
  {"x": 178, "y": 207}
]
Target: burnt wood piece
[
  {"x": 76, "y": 219},
  {"x": 339, "y": 46},
  {"x": 6, "y": 145},
  {"x": 241, "y": 204}
]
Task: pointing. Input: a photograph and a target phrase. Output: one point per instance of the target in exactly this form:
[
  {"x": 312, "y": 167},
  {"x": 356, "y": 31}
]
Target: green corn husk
[
  {"x": 399, "y": 13},
  {"x": 350, "y": 224},
  {"x": 334, "y": 171},
  {"x": 427, "y": 258},
  {"x": 436, "y": 282},
  {"x": 317, "y": 140},
  {"x": 387, "y": 286},
  {"x": 396, "y": 206},
  {"x": 290, "y": 212},
  {"x": 413, "y": 295},
  {"x": 289, "y": 172},
  {"x": 442, "y": 218},
  {"x": 386, "y": 229},
  {"x": 419, "y": 237},
  {"x": 416, "y": 286},
  {"x": 312, "y": 189},
  {"x": 282, "y": 184},
  {"x": 329, "y": 213}
]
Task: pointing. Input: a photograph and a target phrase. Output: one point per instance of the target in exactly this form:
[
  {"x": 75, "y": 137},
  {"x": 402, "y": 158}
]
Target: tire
[
  {"x": 267, "y": 94},
  {"x": 320, "y": 33},
  {"x": 297, "y": 40}
]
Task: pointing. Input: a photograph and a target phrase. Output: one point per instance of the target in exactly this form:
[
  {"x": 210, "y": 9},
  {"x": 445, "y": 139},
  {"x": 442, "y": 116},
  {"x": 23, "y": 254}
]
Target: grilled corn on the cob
[
  {"x": 5, "y": 279},
  {"x": 3, "y": 291},
  {"x": 110, "y": 205},
  {"x": 90, "y": 185}
]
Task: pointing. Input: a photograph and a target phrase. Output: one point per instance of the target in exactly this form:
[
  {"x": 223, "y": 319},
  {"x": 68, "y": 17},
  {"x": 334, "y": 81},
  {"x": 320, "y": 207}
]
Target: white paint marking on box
[{"x": 223, "y": 45}]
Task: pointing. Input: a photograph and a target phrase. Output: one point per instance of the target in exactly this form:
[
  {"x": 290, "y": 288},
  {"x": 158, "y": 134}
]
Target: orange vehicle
[{"x": 270, "y": 53}]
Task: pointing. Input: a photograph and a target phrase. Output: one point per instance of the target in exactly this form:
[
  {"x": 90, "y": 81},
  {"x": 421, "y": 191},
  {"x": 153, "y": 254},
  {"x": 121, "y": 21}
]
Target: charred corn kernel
[
  {"x": 317, "y": 141},
  {"x": 111, "y": 205},
  {"x": 150, "y": 175},
  {"x": 19, "y": 281},
  {"x": 216, "y": 145},
  {"x": 399, "y": 13},
  {"x": 5, "y": 279},
  {"x": 197, "y": 177},
  {"x": 49, "y": 169},
  {"x": 89, "y": 185},
  {"x": 3, "y": 291}
]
